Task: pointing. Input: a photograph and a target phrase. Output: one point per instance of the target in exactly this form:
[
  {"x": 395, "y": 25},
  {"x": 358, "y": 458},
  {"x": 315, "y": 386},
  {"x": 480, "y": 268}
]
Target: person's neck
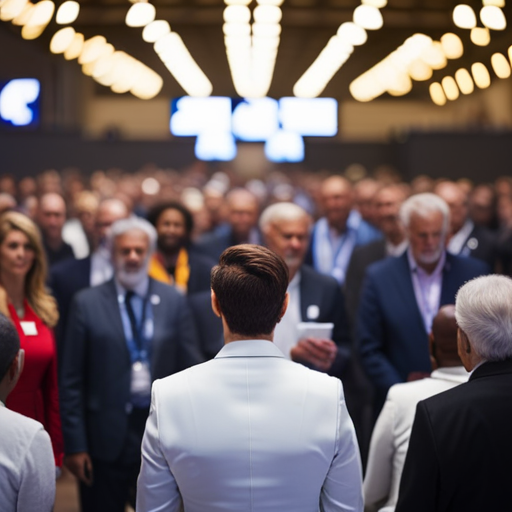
[
  {"x": 395, "y": 237},
  {"x": 170, "y": 256},
  {"x": 339, "y": 228},
  {"x": 15, "y": 288},
  {"x": 230, "y": 337}
]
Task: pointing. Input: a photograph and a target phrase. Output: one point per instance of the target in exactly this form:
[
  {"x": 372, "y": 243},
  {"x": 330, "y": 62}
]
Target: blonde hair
[{"x": 43, "y": 304}]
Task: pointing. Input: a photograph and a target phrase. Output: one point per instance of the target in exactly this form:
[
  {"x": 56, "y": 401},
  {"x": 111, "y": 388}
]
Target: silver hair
[
  {"x": 424, "y": 205},
  {"x": 282, "y": 211},
  {"x": 121, "y": 226},
  {"x": 483, "y": 310}
]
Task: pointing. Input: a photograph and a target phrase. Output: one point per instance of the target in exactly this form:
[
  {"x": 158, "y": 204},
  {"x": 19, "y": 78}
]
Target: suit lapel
[
  {"x": 448, "y": 287},
  {"x": 309, "y": 294}
]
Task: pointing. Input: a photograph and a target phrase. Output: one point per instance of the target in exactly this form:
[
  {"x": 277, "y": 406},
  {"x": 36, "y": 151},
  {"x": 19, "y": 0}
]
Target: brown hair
[
  {"x": 40, "y": 300},
  {"x": 250, "y": 283}
]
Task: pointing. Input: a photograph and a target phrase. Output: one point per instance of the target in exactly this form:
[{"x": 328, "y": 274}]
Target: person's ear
[
  {"x": 215, "y": 305},
  {"x": 285, "y": 306}
]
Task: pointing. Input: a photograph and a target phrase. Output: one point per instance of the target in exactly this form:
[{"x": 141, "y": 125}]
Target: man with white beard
[
  {"x": 402, "y": 295},
  {"x": 120, "y": 337}
]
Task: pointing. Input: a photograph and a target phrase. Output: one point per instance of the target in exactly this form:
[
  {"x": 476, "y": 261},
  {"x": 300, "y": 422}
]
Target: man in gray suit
[
  {"x": 120, "y": 336},
  {"x": 250, "y": 429}
]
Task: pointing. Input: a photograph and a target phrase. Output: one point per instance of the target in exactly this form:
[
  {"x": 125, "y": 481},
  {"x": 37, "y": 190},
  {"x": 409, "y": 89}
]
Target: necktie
[{"x": 133, "y": 320}]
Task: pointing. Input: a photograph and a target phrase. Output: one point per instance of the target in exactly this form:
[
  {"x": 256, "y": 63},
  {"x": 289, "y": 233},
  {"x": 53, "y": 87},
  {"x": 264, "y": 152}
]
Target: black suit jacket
[
  {"x": 459, "y": 452},
  {"x": 66, "y": 279},
  {"x": 96, "y": 372},
  {"x": 482, "y": 245},
  {"x": 200, "y": 269}
]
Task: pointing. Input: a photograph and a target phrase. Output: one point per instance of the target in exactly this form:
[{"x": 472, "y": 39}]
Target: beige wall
[{"x": 375, "y": 121}]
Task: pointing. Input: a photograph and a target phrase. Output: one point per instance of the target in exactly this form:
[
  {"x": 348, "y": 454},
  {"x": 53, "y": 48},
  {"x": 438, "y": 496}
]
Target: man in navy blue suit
[{"x": 402, "y": 295}]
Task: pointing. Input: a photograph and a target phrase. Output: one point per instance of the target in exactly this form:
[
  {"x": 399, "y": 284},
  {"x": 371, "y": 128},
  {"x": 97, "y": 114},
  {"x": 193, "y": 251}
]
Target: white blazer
[{"x": 249, "y": 431}]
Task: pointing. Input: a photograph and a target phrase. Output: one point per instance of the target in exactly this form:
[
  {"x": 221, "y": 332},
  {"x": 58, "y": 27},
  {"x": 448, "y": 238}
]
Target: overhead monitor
[{"x": 19, "y": 102}]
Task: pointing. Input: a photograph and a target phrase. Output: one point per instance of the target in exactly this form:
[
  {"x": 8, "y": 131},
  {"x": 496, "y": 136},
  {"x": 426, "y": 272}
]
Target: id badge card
[
  {"x": 141, "y": 379},
  {"x": 29, "y": 328}
]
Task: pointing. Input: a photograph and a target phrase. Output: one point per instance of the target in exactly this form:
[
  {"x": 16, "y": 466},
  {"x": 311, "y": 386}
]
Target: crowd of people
[{"x": 107, "y": 282}]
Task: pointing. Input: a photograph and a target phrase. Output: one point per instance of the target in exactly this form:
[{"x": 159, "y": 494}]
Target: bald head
[
  {"x": 457, "y": 201},
  {"x": 337, "y": 199},
  {"x": 109, "y": 211},
  {"x": 51, "y": 217},
  {"x": 444, "y": 338},
  {"x": 243, "y": 210}
]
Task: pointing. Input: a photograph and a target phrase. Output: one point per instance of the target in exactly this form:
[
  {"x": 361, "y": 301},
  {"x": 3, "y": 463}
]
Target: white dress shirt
[
  {"x": 427, "y": 288},
  {"x": 27, "y": 466},
  {"x": 286, "y": 333},
  {"x": 390, "y": 438},
  {"x": 101, "y": 266}
]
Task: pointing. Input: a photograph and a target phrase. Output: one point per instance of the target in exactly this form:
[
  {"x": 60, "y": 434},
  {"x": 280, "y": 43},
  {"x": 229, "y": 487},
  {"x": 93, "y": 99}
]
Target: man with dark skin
[{"x": 175, "y": 261}]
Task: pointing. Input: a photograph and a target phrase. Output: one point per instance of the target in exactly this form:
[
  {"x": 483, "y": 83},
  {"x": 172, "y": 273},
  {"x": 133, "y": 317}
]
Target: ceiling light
[
  {"x": 368, "y": 17},
  {"x": 75, "y": 48},
  {"x": 500, "y": 65},
  {"x": 266, "y": 29},
  {"x": 237, "y": 14},
  {"x": 452, "y": 46},
  {"x": 480, "y": 36},
  {"x": 375, "y": 3},
  {"x": 148, "y": 85},
  {"x": 419, "y": 71},
  {"x": 270, "y": 2},
  {"x": 32, "y": 32},
  {"x": 237, "y": 2},
  {"x": 23, "y": 18},
  {"x": 267, "y": 14},
  {"x": 497, "y": 3},
  {"x": 41, "y": 14},
  {"x": 237, "y": 29},
  {"x": 434, "y": 56},
  {"x": 464, "y": 81},
  {"x": 140, "y": 14},
  {"x": 11, "y": 9},
  {"x": 450, "y": 88},
  {"x": 62, "y": 39},
  {"x": 352, "y": 33},
  {"x": 67, "y": 12},
  {"x": 492, "y": 17},
  {"x": 437, "y": 94},
  {"x": 401, "y": 85},
  {"x": 155, "y": 30},
  {"x": 480, "y": 75},
  {"x": 464, "y": 16},
  {"x": 92, "y": 49}
]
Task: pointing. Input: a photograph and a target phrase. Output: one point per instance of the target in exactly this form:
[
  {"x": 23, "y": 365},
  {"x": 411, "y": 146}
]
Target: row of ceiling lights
[
  {"x": 366, "y": 16},
  {"x": 464, "y": 82},
  {"x": 252, "y": 49},
  {"x": 170, "y": 47}
]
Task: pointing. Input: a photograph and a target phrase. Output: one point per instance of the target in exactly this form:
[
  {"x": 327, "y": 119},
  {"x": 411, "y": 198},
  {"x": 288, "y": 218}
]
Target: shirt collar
[
  {"x": 396, "y": 250},
  {"x": 416, "y": 268},
  {"x": 141, "y": 289}
]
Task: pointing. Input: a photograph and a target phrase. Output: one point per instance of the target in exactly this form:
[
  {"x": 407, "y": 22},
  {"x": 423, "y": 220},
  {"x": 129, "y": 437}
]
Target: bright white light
[
  {"x": 352, "y": 33},
  {"x": 140, "y": 14},
  {"x": 215, "y": 145},
  {"x": 12, "y": 9},
  {"x": 464, "y": 16},
  {"x": 492, "y": 17},
  {"x": 15, "y": 98},
  {"x": 317, "y": 117},
  {"x": 497, "y": 3},
  {"x": 464, "y": 81},
  {"x": 255, "y": 120},
  {"x": 452, "y": 46},
  {"x": 285, "y": 147},
  {"x": 197, "y": 115},
  {"x": 480, "y": 36},
  {"x": 368, "y": 17},
  {"x": 375, "y": 3},
  {"x": 68, "y": 12},
  {"x": 237, "y": 14},
  {"x": 267, "y": 14},
  {"x": 62, "y": 40},
  {"x": 155, "y": 30}
]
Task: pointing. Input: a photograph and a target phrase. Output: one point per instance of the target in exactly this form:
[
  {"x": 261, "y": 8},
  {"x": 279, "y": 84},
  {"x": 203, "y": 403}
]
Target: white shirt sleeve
[
  {"x": 342, "y": 489},
  {"x": 157, "y": 489},
  {"x": 37, "y": 476}
]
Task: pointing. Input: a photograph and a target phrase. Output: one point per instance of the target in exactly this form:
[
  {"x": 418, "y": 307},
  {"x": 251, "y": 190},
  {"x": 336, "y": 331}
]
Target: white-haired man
[
  {"x": 121, "y": 336},
  {"x": 314, "y": 297},
  {"x": 402, "y": 295},
  {"x": 458, "y": 457}
]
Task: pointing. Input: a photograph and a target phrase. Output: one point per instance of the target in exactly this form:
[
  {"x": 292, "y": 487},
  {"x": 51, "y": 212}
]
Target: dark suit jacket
[
  {"x": 361, "y": 259},
  {"x": 391, "y": 334},
  {"x": 96, "y": 372},
  {"x": 66, "y": 279},
  {"x": 459, "y": 452},
  {"x": 482, "y": 245}
]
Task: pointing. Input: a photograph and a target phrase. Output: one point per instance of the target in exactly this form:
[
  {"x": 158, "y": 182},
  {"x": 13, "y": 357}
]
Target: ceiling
[{"x": 307, "y": 25}]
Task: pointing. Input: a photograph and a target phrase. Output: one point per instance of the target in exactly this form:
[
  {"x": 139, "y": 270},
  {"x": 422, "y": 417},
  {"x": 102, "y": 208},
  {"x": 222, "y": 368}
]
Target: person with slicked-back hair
[{"x": 249, "y": 430}]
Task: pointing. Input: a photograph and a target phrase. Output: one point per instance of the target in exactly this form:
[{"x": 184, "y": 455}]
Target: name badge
[
  {"x": 141, "y": 379},
  {"x": 29, "y": 328}
]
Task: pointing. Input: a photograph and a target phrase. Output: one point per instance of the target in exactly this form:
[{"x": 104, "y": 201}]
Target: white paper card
[
  {"x": 315, "y": 330},
  {"x": 29, "y": 328}
]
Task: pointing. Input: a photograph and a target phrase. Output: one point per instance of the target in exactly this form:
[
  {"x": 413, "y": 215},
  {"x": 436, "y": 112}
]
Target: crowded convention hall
[{"x": 255, "y": 255}]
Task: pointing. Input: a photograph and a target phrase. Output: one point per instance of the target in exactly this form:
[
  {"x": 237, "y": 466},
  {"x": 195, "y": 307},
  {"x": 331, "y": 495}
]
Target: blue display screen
[{"x": 19, "y": 102}]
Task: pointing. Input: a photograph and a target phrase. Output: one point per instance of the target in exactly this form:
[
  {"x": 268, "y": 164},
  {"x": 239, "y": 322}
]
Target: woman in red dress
[{"x": 24, "y": 299}]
